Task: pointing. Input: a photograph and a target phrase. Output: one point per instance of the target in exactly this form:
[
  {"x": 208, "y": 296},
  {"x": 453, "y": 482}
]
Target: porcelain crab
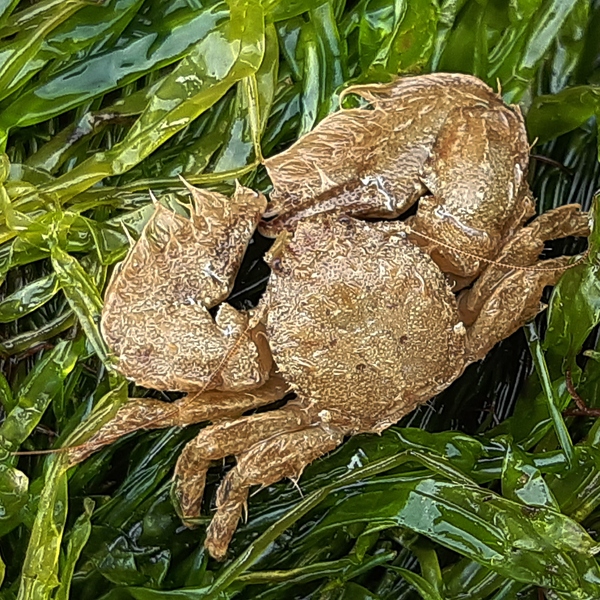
[{"x": 365, "y": 315}]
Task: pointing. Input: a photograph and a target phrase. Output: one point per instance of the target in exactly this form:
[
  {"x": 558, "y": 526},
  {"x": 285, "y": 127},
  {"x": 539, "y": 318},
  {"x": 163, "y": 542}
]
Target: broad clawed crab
[{"x": 362, "y": 320}]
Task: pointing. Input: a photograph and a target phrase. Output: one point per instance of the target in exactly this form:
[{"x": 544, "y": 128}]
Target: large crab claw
[{"x": 156, "y": 317}]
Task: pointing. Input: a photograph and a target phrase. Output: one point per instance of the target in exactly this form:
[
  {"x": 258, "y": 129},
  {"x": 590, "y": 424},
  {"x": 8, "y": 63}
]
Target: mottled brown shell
[{"x": 361, "y": 322}]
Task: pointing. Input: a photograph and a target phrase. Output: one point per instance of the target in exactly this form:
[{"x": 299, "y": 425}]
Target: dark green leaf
[
  {"x": 111, "y": 69},
  {"x": 425, "y": 589},
  {"x": 78, "y": 538},
  {"x": 37, "y": 391},
  {"x": 27, "y": 299},
  {"x": 554, "y": 115},
  {"x": 574, "y": 308}
]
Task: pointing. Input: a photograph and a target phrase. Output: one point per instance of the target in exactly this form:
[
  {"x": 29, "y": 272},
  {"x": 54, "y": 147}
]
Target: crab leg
[
  {"x": 523, "y": 251},
  {"x": 147, "y": 413},
  {"x": 514, "y": 302},
  {"x": 267, "y": 462},
  {"x": 225, "y": 439},
  {"x": 502, "y": 300}
]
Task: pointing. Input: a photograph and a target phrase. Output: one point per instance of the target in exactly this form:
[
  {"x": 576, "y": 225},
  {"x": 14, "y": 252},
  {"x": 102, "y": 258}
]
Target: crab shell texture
[{"x": 362, "y": 320}]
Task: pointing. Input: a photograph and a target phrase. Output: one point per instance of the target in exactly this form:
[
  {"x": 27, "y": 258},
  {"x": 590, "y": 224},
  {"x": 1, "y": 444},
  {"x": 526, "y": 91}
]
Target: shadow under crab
[{"x": 362, "y": 320}]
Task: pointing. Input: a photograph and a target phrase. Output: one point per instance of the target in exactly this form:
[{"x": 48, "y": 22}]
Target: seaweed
[{"x": 490, "y": 492}]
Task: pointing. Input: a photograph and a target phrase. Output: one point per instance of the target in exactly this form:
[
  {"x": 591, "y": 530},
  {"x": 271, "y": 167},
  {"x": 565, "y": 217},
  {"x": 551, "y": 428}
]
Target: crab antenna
[{"x": 497, "y": 263}]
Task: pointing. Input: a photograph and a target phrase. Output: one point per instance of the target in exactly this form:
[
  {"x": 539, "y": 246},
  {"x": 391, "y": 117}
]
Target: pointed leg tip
[
  {"x": 215, "y": 549},
  {"x": 187, "y": 489},
  {"x": 222, "y": 527},
  {"x": 217, "y": 540}
]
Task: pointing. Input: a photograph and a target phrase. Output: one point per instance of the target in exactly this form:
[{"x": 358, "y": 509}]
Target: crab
[{"x": 365, "y": 315}]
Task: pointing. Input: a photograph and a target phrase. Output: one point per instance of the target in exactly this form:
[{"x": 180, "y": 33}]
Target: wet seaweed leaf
[
  {"x": 14, "y": 494},
  {"x": 554, "y": 115},
  {"x": 103, "y": 72},
  {"x": 570, "y": 44},
  {"x": 90, "y": 25},
  {"x": 323, "y": 64},
  {"x": 541, "y": 23},
  {"x": 552, "y": 400},
  {"x": 82, "y": 293},
  {"x": 223, "y": 57},
  {"x": 78, "y": 538},
  {"x": 571, "y": 321},
  {"x": 28, "y": 298},
  {"x": 448, "y": 14},
  {"x": 6, "y": 395},
  {"x": 280, "y": 10},
  {"x": 425, "y": 589},
  {"x": 27, "y": 341},
  {"x": 526, "y": 547},
  {"x": 523, "y": 482},
  {"x": 39, "y": 576},
  {"x": 116, "y": 100},
  {"x": 465, "y": 47},
  {"x": 40, "y": 573},
  {"x": 6, "y": 7},
  {"x": 408, "y": 52},
  {"x": 35, "y": 394},
  {"x": 378, "y": 27},
  {"x": 19, "y": 52}
]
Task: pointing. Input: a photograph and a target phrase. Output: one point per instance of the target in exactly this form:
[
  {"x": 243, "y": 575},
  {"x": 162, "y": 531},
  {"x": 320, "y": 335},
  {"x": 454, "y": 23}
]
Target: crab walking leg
[
  {"x": 523, "y": 251},
  {"x": 156, "y": 317},
  {"x": 514, "y": 301},
  {"x": 147, "y": 413},
  {"x": 223, "y": 439},
  {"x": 265, "y": 463}
]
